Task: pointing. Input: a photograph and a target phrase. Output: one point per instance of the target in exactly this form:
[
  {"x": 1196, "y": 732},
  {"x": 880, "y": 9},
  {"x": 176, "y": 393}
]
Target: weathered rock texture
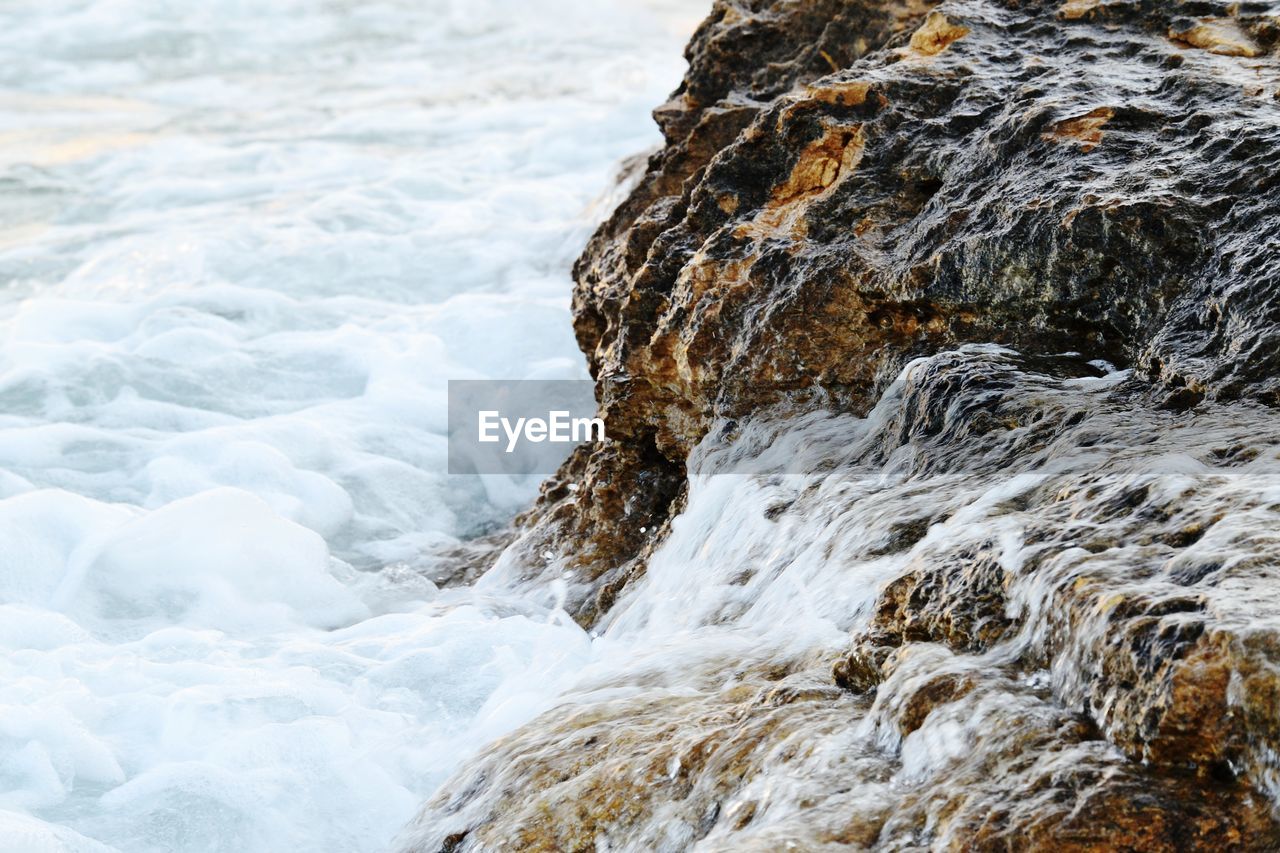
[
  {"x": 1079, "y": 624},
  {"x": 847, "y": 186}
]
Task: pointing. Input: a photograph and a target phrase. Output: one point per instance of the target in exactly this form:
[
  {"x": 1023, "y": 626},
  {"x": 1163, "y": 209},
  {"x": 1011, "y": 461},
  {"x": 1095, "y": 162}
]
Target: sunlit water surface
[{"x": 242, "y": 247}]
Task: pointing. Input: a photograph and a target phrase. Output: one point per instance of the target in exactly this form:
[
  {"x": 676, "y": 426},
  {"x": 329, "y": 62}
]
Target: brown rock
[
  {"x": 1222, "y": 36},
  {"x": 936, "y": 35},
  {"x": 846, "y": 187}
]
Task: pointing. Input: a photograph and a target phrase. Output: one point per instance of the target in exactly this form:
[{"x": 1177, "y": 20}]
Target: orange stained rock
[
  {"x": 822, "y": 163},
  {"x": 1222, "y": 36},
  {"x": 846, "y": 94},
  {"x": 936, "y": 35},
  {"x": 1086, "y": 130},
  {"x": 1073, "y": 10}
]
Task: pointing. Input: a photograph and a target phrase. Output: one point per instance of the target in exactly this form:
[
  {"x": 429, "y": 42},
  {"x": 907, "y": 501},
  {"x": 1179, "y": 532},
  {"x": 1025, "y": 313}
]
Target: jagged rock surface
[
  {"x": 1084, "y": 621},
  {"x": 1084, "y": 177},
  {"x": 847, "y": 186}
]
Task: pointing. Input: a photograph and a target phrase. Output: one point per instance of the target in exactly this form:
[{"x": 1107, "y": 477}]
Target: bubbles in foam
[{"x": 244, "y": 247}]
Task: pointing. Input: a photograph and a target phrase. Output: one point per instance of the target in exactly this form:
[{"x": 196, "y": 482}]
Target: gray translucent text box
[{"x": 519, "y": 427}]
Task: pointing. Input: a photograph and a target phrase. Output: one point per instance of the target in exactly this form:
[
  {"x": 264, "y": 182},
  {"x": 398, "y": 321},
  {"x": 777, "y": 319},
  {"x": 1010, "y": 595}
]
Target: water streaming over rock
[
  {"x": 938, "y": 347},
  {"x": 1049, "y": 591}
]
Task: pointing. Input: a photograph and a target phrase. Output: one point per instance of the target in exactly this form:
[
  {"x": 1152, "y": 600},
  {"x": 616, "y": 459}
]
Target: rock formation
[{"x": 1080, "y": 188}]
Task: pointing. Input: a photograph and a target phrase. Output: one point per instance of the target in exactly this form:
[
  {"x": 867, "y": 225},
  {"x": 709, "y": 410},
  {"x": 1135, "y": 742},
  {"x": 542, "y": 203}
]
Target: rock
[
  {"x": 1222, "y": 36},
  {"x": 672, "y": 770},
  {"x": 1105, "y": 677},
  {"x": 1077, "y": 189},
  {"x": 847, "y": 185}
]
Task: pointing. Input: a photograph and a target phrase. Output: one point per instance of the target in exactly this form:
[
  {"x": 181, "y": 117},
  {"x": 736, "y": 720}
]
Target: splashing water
[
  {"x": 244, "y": 245},
  {"x": 1043, "y": 533}
]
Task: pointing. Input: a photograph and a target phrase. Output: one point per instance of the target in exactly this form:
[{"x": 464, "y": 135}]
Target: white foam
[{"x": 244, "y": 246}]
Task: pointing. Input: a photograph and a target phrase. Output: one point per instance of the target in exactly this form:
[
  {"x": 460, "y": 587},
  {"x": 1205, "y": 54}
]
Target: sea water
[{"x": 243, "y": 245}]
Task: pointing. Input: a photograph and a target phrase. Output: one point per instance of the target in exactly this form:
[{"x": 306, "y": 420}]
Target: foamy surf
[{"x": 245, "y": 245}]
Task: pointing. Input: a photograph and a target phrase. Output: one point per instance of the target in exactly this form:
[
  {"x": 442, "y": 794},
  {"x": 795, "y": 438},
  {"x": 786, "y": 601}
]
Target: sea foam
[{"x": 244, "y": 246}]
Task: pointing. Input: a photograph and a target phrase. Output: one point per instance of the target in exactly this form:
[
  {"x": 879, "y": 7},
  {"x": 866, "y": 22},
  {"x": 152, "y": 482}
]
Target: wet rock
[
  {"x": 606, "y": 528},
  {"x": 847, "y": 185},
  {"x": 736, "y": 769},
  {"x": 959, "y": 601},
  {"x": 1161, "y": 651},
  {"x": 1067, "y": 210},
  {"x": 1076, "y": 683},
  {"x": 646, "y": 772},
  {"x": 464, "y": 562}
]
